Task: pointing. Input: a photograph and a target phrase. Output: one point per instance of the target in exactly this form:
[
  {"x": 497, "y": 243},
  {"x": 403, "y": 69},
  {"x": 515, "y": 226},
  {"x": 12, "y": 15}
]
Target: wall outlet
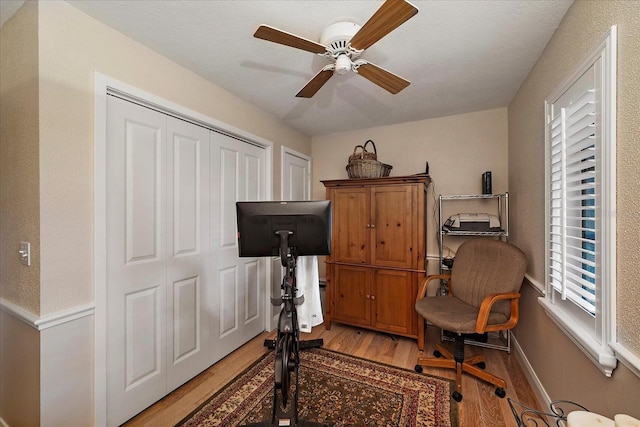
[{"x": 25, "y": 253}]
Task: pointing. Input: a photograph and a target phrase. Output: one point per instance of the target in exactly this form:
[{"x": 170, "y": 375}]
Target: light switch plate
[{"x": 25, "y": 253}]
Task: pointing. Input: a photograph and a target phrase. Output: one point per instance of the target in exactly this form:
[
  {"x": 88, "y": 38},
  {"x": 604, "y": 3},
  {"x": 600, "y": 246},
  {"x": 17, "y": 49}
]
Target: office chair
[{"x": 483, "y": 296}]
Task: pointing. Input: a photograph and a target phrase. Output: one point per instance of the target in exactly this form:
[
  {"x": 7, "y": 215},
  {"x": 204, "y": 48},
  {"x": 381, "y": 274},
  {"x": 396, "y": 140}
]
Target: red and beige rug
[{"x": 337, "y": 389}]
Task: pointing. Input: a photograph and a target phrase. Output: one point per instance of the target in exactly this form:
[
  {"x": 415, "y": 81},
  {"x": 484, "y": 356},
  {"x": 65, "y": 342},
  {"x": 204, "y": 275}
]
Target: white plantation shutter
[
  {"x": 573, "y": 230},
  {"x": 580, "y": 227}
]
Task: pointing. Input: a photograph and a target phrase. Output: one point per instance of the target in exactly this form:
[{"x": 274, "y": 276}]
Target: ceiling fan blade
[
  {"x": 390, "y": 16},
  {"x": 315, "y": 84},
  {"x": 271, "y": 34},
  {"x": 383, "y": 78}
]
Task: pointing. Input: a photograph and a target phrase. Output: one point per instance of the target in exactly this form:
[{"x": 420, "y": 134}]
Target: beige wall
[
  {"x": 458, "y": 148},
  {"x": 72, "y": 47},
  {"x": 19, "y": 166},
  {"x": 575, "y": 377},
  {"x": 49, "y": 55}
]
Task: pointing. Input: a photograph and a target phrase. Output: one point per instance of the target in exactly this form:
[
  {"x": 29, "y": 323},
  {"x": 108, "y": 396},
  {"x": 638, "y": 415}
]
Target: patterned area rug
[{"x": 336, "y": 389}]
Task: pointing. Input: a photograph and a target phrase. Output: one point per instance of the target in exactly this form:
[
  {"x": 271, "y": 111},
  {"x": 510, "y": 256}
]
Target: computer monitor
[{"x": 308, "y": 224}]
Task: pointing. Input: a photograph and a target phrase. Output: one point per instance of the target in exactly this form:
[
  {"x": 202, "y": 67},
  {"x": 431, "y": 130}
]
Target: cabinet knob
[
  {"x": 373, "y": 226},
  {"x": 373, "y": 297},
  {"x": 367, "y": 296}
]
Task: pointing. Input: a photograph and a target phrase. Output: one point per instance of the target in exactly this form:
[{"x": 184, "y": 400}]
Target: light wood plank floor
[{"x": 479, "y": 407}]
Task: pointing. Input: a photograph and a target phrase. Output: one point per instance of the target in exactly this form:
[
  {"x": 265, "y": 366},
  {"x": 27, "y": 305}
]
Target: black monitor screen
[{"x": 309, "y": 224}]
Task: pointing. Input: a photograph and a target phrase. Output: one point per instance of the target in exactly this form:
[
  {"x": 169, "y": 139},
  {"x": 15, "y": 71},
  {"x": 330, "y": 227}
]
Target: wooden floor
[{"x": 479, "y": 407}]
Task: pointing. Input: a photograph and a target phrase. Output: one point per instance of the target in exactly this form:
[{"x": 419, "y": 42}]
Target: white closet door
[
  {"x": 238, "y": 173},
  {"x": 136, "y": 259},
  {"x": 188, "y": 281},
  {"x": 157, "y": 256}
]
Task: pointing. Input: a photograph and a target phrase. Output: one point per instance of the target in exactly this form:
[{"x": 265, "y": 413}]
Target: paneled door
[
  {"x": 136, "y": 259},
  {"x": 296, "y": 175},
  {"x": 392, "y": 227},
  {"x": 296, "y": 185},
  {"x": 188, "y": 246},
  {"x": 178, "y": 296},
  {"x": 157, "y": 244},
  {"x": 238, "y": 293}
]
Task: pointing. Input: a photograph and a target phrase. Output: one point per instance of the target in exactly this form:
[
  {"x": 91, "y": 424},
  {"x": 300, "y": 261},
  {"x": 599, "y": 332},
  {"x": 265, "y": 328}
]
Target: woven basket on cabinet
[{"x": 365, "y": 164}]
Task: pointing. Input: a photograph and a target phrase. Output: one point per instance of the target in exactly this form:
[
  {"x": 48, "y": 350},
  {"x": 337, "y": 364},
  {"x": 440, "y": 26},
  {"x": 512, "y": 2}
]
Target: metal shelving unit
[
  {"x": 503, "y": 216},
  {"x": 499, "y": 341}
]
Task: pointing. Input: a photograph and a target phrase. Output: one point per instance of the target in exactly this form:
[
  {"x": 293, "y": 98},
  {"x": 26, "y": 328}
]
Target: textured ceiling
[{"x": 460, "y": 56}]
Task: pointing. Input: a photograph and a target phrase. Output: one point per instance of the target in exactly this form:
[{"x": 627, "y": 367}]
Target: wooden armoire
[{"x": 378, "y": 252}]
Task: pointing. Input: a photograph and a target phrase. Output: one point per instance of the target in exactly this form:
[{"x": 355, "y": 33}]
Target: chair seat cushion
[{"x": 453, "y": 315}]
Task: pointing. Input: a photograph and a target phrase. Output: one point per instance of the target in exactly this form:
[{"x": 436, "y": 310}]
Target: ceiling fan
[{"x": 344, "y": 42}]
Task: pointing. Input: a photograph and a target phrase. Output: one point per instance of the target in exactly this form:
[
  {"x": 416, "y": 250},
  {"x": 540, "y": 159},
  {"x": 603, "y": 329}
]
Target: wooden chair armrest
[
  {"x": 485, "y": 309},
  {"x": 422, "y": 290}
]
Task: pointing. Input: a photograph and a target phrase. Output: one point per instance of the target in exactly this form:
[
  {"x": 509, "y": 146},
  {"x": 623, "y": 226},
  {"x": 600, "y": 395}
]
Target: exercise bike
[
  {"x": 287, "y": 229},
  {"x": 287, "y": 345}
]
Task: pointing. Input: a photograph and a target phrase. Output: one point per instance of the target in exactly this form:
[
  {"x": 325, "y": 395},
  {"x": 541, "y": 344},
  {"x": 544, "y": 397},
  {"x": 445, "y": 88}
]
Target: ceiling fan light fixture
[
  {"x": 343, "y": 64},
  {"x": 342, "y": 43},
  {"x": 336, "y": 36}
]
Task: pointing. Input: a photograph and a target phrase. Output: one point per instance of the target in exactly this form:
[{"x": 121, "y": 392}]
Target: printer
[{"x": 481, "y": 222}]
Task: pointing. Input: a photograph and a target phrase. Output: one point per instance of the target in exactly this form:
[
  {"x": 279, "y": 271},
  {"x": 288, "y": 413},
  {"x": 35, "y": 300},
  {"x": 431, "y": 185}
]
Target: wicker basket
[
  {"x": 365, "y": 164},
  {"x": 364, "y": 154},
  {"x": 364, "y": 168}
]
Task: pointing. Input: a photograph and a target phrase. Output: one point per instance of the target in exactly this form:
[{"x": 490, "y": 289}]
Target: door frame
[{"x": 103, "y": 85}]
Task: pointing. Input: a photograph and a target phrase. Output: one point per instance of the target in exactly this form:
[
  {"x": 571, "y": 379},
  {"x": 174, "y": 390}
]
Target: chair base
[{"x": 472, "y": 366}]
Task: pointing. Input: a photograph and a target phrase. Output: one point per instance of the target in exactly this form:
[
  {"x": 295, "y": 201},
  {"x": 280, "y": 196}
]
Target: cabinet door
[
  {"x": 351, "y": 222},
  {"x": 351, "y": 295},
  {"x": 392, "y": 235},
  {"x": 393, "y": 301}
]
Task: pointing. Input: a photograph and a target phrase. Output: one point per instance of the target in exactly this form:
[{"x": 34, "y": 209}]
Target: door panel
[
  {"x": 238, "y": 294},
  {"x": 187, "y": 195},
  {"x": 350, "y": 242},
  {"x": 351, "y": 295},
  {"x": 228, "y": 312},
  {"x": 186, "y": 312},
  {"x": 143, "y": 337},
  {"x": 136, "y": 260},
  {"x": 392, "y": 291},
  {"x": 392, "y": 227}
]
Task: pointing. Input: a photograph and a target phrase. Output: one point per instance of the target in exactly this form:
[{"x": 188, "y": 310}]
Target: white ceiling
[{"x": 460, "y": 56}]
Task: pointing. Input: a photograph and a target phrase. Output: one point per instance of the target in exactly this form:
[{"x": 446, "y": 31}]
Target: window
[{"x": 580, "y": 205}]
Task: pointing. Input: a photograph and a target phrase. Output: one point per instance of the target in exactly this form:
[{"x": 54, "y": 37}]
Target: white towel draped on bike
[{"x": 308, "y": 284}]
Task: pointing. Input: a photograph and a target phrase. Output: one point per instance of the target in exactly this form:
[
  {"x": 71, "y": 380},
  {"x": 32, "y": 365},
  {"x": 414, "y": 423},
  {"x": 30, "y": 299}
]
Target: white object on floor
[
  {"x": 589, "y": 419},
  {"x": 622, "y": 420},
  {"x": 308, "y": 284}
]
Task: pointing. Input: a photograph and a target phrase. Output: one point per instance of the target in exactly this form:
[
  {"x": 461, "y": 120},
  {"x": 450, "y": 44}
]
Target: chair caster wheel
[
  {"x": 481, "y": 365},
  {"x": 457, "y": 396},
  {"x": 418, "y": 369},
  {"x": 500, "y": 393},
  {"x": 436, "y": 353}
]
